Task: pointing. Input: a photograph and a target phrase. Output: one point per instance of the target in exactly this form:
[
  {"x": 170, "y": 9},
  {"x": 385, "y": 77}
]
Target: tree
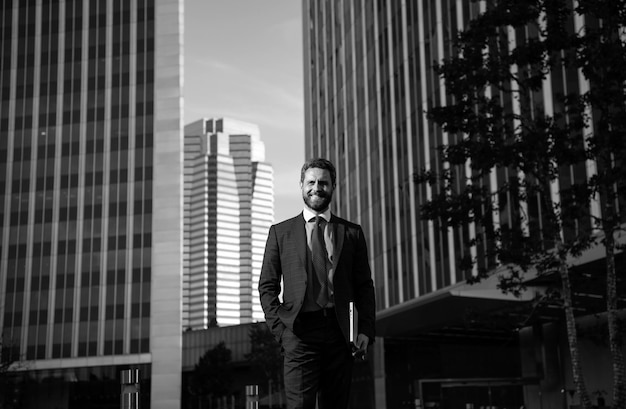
[
  {"x": 499, "y": 124},
  {"x": 266, "y": 355},
  {"x": 10, "y": 360},
  {"x": 10, "y": 357},
  {"x": 213, "y": 374}
]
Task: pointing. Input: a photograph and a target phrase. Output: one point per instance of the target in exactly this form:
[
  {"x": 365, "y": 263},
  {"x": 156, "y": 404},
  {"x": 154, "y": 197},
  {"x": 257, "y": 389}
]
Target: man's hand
[{"x": 360, "y": 346}]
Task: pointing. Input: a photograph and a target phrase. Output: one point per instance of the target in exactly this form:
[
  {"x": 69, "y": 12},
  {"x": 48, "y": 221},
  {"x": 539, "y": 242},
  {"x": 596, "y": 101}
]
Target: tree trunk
[
  {"x": 568, "y": 308},
  {"x": 619, "y": 388},
  {"x": 572, "y": 337}
]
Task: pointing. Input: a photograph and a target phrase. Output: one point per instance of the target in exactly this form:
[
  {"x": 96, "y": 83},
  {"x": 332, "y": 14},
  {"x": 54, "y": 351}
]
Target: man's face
[{"x": 317, "y": 189}]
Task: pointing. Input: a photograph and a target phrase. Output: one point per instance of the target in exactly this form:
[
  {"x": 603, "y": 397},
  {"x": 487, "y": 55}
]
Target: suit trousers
[{"x": 317, "y": 362}]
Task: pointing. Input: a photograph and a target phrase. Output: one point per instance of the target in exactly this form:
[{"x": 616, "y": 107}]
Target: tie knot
[{"x": 317, "y": 220}]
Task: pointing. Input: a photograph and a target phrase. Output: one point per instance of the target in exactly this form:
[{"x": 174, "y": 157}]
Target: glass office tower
[
  {"x": 369, "y": 80},
  {"x": 91, "y": 199},
  {"x": 229, "y": 207}
]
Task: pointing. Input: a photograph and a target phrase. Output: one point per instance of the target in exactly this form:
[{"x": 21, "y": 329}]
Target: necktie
[{"x": 318, "y": 253}]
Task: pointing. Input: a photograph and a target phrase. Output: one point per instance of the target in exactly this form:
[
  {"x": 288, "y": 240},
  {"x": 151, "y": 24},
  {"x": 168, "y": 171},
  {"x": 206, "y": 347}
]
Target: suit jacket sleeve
[{"x": 269, "y": 284}]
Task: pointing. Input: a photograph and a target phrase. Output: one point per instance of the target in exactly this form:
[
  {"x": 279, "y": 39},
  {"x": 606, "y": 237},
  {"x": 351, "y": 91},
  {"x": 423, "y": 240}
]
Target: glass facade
[
  {"x": 77, "y": 147},
  {"x": 369, "y": 82},
  {"x": 229, "y": 208},
  {"x": 370, "y": 78},
  {"x": 78, "y": 228},
  {"x": 262, "y": 218},
  {"x": 72, "y": 388}
]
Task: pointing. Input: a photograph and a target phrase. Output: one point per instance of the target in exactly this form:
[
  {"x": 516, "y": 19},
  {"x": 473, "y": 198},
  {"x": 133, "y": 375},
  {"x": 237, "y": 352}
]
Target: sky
[{"x": 243, "y": 60}]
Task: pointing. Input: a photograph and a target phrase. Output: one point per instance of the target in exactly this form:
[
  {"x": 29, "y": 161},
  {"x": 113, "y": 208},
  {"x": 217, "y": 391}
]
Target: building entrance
[{"x": 471, "y": 394}]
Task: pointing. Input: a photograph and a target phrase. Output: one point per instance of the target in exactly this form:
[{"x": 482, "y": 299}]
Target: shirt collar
[{"x": 308, "y": 214}]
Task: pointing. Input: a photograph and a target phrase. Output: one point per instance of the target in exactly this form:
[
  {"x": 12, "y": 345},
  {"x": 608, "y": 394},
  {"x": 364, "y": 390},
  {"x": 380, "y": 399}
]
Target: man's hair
[{"x": 319, "y": 163}]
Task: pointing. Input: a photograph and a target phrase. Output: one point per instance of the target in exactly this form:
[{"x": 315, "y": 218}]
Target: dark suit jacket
[{"x": 286, "y": 257}]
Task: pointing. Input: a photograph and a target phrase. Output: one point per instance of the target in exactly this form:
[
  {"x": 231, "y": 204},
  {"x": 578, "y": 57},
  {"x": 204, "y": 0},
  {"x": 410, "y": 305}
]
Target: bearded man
[{"x": 322, "y": 262}]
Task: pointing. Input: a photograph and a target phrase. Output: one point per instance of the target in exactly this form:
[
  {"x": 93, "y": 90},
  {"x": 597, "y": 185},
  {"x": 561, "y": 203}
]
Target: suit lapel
[
  {"x": 340, "y": 232},
  {"x": 300, "y": 238}
]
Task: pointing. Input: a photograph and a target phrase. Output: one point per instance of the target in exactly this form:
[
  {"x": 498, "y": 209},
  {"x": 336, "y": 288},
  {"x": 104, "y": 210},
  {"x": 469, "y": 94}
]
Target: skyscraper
[
  {"x": 229, "y": 208},
  {"x": 370, "y": 78},
  {"x": 91, "y": 197}
]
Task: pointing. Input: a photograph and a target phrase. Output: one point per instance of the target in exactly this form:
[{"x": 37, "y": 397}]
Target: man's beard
[{"x": 318, "y": 205}]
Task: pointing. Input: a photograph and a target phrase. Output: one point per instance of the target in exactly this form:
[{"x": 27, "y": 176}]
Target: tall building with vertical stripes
[
  {"x": 369, "y": 75},
  {"x": 91, "y": 181},
  {"x": 229, "y": 207}
]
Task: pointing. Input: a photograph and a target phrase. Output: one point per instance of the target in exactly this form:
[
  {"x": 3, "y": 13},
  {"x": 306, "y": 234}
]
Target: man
[{"x": 323, "y": 263}]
